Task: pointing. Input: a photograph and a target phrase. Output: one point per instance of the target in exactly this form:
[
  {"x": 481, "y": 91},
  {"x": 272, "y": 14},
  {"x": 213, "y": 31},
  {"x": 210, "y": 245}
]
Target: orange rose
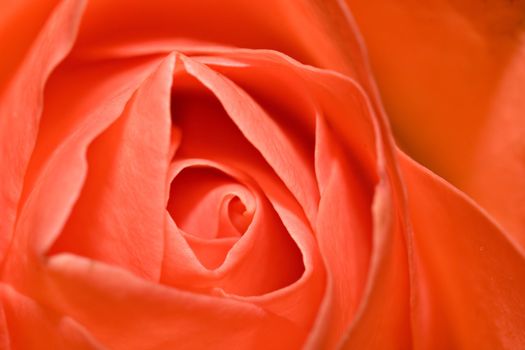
[{"x": 222, "y": 175}]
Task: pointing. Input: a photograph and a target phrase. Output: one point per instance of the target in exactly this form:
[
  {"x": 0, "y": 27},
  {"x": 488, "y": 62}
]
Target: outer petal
[
  {"x": 125, "y": 312},
  {"x": 119, "y": 216},
  {"x": 28, "y": 325},
  {"x": 470, "y": 279},
  {"x": 16, "y": 39},
  {"x": 451, "y": 74},
  {"x": 58, "y": 167},
  {"x": 19, "y": 121},
  {"x": 312, "y": 31}
]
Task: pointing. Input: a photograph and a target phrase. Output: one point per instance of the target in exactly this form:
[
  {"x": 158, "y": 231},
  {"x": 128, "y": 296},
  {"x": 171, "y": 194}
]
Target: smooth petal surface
[
  {"x": 125, "y": 312},
  {"x": 314, "y": 32},
  {"x": 451, "y": 74},
  {"x": 28, "y": 325},
  {"x": 17, "y": 39},
  {"x": 470, "y": 278}
]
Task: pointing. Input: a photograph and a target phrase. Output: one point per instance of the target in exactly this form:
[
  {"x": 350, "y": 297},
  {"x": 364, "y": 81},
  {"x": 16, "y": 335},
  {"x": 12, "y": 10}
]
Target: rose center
[{"x": 209, "y": 204}]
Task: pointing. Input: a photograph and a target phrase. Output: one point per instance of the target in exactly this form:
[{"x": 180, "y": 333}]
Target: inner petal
[
  {"x": 249, "y": 251},
  {"x": 208, "y": 204},
  {"x": 267, "y": 257},
  {"x": 239, "y": 216}
]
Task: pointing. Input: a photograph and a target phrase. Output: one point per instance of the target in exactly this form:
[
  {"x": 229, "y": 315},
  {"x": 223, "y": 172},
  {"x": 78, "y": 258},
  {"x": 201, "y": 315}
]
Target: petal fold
[
  {"x": 119, "y": 216},
  {"x": 19, "y": 122}
]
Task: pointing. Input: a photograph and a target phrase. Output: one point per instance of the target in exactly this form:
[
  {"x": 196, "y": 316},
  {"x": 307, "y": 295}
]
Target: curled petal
[
  {"x": 290, "y": 164},
  {"x": 119, "y": 216},
  {"x": 57, "y": 170},
  {"x": 20, "y": 121}
]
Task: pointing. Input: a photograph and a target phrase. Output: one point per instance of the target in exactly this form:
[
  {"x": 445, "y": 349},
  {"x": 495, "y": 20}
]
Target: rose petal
[
  {"x": 346, "y": 109},
  {"x": 58, "y": 166},
  {"x": 365, "y": 163},
  {"x": 200, "y": 117},
  {"x": 16, "y": 39},
  {"x": 126, "y": 312},
  {"x": 313, "y": 32},
  {"x": 286, "y": 159},
  {"x": 196, "y": 205},
  {"x": 28, "y": 325},
  {"x": 263, "y": 260},
  {"x": 310, "y": 89},
  {"x": 119, "y": 216},
  {"x": 470, "y": 278},
  {"x": 343, "y": 232},
  {"x": 344, "y": 105},
  {"x": 452, "y": 75},
  {"x": 199, "y": 193},
  {"x": 19, "y": 121}
]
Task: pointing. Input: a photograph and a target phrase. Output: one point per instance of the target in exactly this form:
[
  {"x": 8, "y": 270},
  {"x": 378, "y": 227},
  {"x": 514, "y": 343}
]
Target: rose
[{"x": 183, "y": 183}]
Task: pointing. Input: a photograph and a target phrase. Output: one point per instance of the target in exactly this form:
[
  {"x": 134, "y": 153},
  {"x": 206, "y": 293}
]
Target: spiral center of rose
[
  {"x": 222, "y": 201},
  {"x": 209, "y": 204}
]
